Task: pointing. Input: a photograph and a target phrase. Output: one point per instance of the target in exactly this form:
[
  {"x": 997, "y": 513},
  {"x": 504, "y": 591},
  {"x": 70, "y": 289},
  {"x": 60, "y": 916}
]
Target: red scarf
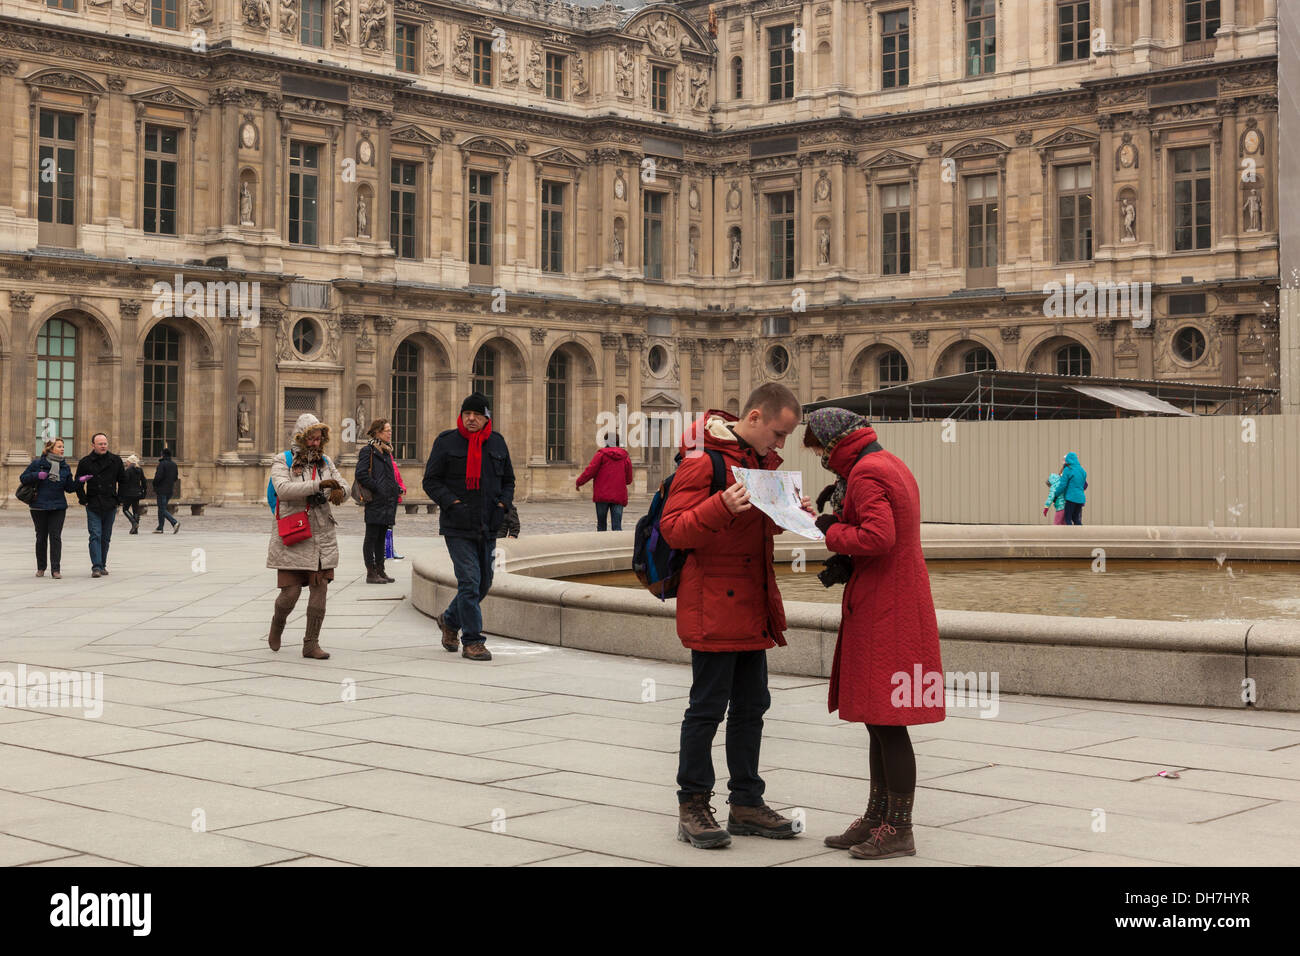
[{"x": 474, "y": 461}]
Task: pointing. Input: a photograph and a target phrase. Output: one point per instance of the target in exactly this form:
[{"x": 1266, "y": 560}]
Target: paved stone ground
[{"x": 395, "y": 752}]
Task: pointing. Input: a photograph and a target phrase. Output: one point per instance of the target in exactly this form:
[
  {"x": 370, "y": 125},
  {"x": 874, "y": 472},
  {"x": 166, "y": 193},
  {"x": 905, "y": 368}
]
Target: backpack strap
[{"x": 719, "y": 471}]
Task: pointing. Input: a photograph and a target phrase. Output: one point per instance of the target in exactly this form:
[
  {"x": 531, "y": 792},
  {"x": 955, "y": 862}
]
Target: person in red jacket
[
  {"x": 889, "y": 636},
  {"x": 729, "y": 612},
  {"x": 611, "y": 466}
]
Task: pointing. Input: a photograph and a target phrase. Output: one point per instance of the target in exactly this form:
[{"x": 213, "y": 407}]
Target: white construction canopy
[{"x": 1134, "y": 399}]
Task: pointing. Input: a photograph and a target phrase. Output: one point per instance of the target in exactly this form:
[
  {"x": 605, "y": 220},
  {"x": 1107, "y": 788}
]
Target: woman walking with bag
[
  {"x": 375, "y": 474},
  {"x": 304, "y": 545},
  {"x": 888, "y": 630},
  {"x": 132, "y": 490},
  {"x": 51, "y": 477}
]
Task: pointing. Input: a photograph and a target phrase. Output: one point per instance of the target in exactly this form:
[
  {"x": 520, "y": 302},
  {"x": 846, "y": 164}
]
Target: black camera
[
  {"x": 837, "y": 569},
  {"x": 316, "y": 499}
]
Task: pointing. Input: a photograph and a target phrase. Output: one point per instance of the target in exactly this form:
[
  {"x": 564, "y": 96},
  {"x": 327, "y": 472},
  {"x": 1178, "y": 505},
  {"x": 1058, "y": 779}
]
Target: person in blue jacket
[
  {"x": 52, "y": 477},
  {"x": 1070, "y": 487}
]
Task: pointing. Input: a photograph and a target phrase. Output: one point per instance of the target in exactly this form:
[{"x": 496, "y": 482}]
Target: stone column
[
  {"x": 384, "y": 346},
  {"x": 128, "y": 426},
  {"x": 635, "y": 347},
  {"x": 1142, "y": 48},
  {"x": 537, "y": 399},
  {"x": 1146, "y": 351},
  {"x": 350, "y": 323},
  {"x": 463, "y": 361},
  {"x": 919, "y": 363},
  {"x": 1227, "y": 327},
  {"x": 686, "y": 360},
  {"x": 273, "y": 157},
  {"x": 1105, "y": 331},
  {"x": 20, "y": 387},
  {"x": 379, "y": 221},
  {"x": 1011, "y": 340},
  {"x": 268, "y": 434},
  {"x": 745, "y": 350},
  {"x": 1230, "y": 196},
  {"x": 609, "y": 375},
  {"x": 803, "y": 346},
  {"x": 229, "y": 158},
  {"x": 835, "y": 348},
  {"x": 713, "y": 379}
]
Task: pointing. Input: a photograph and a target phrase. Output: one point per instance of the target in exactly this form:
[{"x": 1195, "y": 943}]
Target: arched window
[
  {"x": 405, "y": 400},
  {"x": 738, "y": 77},
  {"x": 557, "y": 407},
  {"x": 484, "y": 375},
  {"x": 980, "y": 360},
  {"x": 56, "y": 384},
  {"x": 162, "y": 386},
  {"x": 1073, "y": 360},
  {"x": 893, "y": 368}
]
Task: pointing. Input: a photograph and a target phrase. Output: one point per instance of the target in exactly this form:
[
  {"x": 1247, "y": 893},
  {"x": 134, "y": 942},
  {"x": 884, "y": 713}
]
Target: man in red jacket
[
  {"x": 729, "y": 612},
  {"x": 611, "y": 466}
]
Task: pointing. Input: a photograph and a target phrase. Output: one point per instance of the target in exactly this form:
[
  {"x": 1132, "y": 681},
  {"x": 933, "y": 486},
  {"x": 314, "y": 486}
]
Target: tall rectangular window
[
  {"x": 895, "y": 49},
  {"x": 780, "y": 213},
  {"x": 652, "y": 235},
  {"x": 56, "y": 178},
  {"x": 480, "y": 219},
  {"x": 401, "y": 208},
  {"x": 160, "y": 405},
  {"x": 1200, "y": 20},
  {"x": 406, "y": 400},
  {"x": 1192, "y": 198},
  {"x": 557, "y": 408},
  {"x": 160, "y": 156},
  {"x": 552, "y": 227},
  {"x": 61, "y": 4},
  {"x": 780, "y": 62},
  {"x": 896, "y": 229},
  {"x": 555, "y": 75},
  {"x": 304, "y": 199},
  {"x": 164, "y": 13},
  {"x": 1074, "y": 213},
  {"x": 981, "y": 37},
  {"x": 56, "y": 383},
  {"x": 660, "y": 78},
  {"x": 483, "y": 375},
  {"x": 405, "y": 40},
  {"x": 311, "y": 25},
  {"x": 982, "y": 230},
  {"x": 482, "y": 61},
  {"x": 1073, "y": 30}
]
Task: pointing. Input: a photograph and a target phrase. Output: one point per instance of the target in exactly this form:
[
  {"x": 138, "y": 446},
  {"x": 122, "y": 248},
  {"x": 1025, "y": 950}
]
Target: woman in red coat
[
  {"x": 887, "y": 671},
  {"x": 611, "y": 466}
]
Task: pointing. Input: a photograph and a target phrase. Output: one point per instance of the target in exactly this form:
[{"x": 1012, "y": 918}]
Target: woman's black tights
[{"x": 892, "y": 760}]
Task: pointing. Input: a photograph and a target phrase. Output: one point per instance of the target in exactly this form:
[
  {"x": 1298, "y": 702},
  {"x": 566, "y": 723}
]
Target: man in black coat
[
  {"x": 470, "y": 477},
  {"x": 164, "y": 486},
  {"x": 99, "y": 479}
]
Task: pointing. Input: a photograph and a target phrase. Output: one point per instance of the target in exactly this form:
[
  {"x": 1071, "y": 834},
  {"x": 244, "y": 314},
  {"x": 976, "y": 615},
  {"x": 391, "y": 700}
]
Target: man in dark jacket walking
[
  {"x": 164, "y": 486},
  {"x": 470, "y": 477},
  {"x": 729, "y": 611},
  {"x": 611, "y": 467},
  {"x": 99, "y": 478}
]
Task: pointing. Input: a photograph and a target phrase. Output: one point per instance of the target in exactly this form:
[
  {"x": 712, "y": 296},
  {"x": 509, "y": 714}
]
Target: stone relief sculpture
[
  {"x": 579, "y": 75},
  {"x": 618, "y": 240},
  {"x": 823, "y": 246},
  {"x": 735, "y": 249},
  {"x": 137, "y": 8},
  {"x": 700, "y": 88},
  {"x": 661, "y": 35},
  {"x": 361, "y": 416},
  {"x": 1128, "y": 214},
  {"x": 243, "y": 420},
  {"x": 461, "y": 58},
  {"x": 535, "y": 70},
  {"x": 245, "y": 205},
  {"x": 374, "y": 24},
  {"x": 432, "y": 47},
  {"x": 257, "y": 13},
  {"x": 289, "y": 16},
  {"x": 1254, "y": 209},
  {"x": 200, "y": 11},
  {"x": 623, "y": 72},
  {"x": 363, "y": 217},
  {"x": 693, "y": 253},
  {"x": 645, "y": 82},
  {"x": 509, "y": 63},
  {"x": 343, "y": 20}
]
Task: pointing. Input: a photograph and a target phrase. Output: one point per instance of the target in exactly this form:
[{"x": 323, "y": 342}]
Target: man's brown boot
[
  {"x": 892, "y": 838},
  {"x": 477, "y": 652},
  {"x": 449, "y": 641},
  {"x": 859, "y": 830},
  {"x": 374, "y": 577},
  {"x": 383, "y": 575},
  {"x": 311, "y": 642},
  {"x": 761, "y": 820},
  {"x": 697, "y": 826}
]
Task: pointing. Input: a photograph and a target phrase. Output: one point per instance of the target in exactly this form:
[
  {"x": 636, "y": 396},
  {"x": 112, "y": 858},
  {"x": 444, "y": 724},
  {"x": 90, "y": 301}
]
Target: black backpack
[{"x": 657, "y": 566}]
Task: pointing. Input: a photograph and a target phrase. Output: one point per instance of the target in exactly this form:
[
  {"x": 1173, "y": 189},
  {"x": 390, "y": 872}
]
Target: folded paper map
[{"x": 777, "y": 494}]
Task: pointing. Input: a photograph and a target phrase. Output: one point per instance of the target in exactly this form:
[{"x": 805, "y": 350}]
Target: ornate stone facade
[{"x": 579, "y": 186}]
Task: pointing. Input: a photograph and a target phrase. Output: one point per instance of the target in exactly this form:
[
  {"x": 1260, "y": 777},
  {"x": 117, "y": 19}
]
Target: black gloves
[
  {"x": 825, "y": 496},
  {"x": 824, "y": 522}
]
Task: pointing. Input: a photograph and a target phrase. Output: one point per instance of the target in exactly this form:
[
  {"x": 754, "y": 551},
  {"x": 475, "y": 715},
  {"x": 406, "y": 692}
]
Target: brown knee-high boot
[
  {"x": 315, "y": 618},
  {"x": 284, "y": 603}
]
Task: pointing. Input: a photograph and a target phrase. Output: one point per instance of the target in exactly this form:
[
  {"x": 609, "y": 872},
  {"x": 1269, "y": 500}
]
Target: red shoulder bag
[{"x": 294, "y": 528}]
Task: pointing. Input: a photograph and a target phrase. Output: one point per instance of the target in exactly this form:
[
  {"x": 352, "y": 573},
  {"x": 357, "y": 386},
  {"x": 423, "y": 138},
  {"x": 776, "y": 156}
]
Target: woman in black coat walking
[
  {"x": 375, "y": 474},
  {"x": 132, "y": 490},
  {"x": 52, "y": 477}
]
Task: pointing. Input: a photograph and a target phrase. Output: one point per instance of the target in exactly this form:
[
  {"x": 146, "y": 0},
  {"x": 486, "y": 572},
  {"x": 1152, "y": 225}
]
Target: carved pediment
[
  {"x": 666, "y": 32},
  {"x": 560, "y": 157},
  {"x": 975, "y": 148},
  {"x": 487, "y": 144},
  {"x": 659, "y": 400},
  {"x": 890, "y": 157},
  {"x": 1070, "y": 136},
  {"x": 65, "y": 80},
  {"x": 414, "y": 134},
  {"x": 167, "y": 96}
]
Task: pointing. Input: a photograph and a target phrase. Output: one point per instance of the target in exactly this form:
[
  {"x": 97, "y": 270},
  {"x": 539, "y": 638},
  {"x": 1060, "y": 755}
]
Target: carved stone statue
[
  {"x": 462, "y": 59},
  {"x": 735, "y": 250},
  {"x": 200, "y": 11},
  {"x": 374, "y": 24},
  {"x": 662, "y": 37},
  {"x": 579, "y": 75},
  {"x": 618, "y": 247},
  {"x": 433, "y": 47},
  {"x": 361, "y": 416},
  {"x": 509, "y": 63},
  {"x": 1254, "y": 209},
  {"x": 363, "y": 217},
  {"x": 257, "y": 13},
  {"x": 289, "y": 17},
  {"x": 343, "y": 20},
  {"x": 137, "y": 8},
  {"x": 1128, "y": 210},
  {"x": 535, "y": 67},
  {"x": 623, "y": 72},
  {"x": 693, "y": 253},
  {"x": 245, "y": 205},
  {"x": 700, "y": 88},
  {"x": 823, "y": 247},
  {"x": 243, "y": 420}
]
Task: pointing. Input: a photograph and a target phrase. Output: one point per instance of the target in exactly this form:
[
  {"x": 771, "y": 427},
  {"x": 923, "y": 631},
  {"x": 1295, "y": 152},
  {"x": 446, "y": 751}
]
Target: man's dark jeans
[
  {"x": 719, "y": 678},
  {"x": 163, "y": 513},
  {"x": 472, "y": 560},
  {"x": 99, "y": 525},
  {"x": 614, "y": 511}
]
